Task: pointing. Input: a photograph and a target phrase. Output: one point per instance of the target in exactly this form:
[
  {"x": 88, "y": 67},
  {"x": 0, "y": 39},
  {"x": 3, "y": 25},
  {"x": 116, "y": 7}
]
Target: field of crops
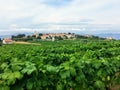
[{"x": 61, "y": 65}]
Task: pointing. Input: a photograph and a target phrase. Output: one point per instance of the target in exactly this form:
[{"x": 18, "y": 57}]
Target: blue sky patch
[{"x": 57, "y": 3}]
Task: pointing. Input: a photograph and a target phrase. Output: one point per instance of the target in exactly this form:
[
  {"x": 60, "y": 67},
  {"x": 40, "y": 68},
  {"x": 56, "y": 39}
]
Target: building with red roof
[{"x": 7, "y": 41}]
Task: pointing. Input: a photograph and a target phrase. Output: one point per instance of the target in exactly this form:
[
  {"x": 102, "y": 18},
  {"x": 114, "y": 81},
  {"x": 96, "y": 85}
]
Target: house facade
[
  {"x": 53, "y": 35},
  {"x": 7, "y": 41}
]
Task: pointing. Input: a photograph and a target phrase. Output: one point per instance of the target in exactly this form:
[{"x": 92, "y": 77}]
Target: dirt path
[{"x": 21, "y": 42}]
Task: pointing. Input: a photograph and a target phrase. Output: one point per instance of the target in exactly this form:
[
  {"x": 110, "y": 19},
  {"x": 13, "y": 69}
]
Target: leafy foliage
[{"x": 60, "y": 65}]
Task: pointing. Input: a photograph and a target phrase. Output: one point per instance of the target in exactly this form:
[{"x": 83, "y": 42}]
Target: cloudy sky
[{"x": 55, "y": 15}]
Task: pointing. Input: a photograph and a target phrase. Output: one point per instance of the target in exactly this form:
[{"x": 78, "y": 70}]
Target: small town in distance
[{"x": 49, "y": 37}]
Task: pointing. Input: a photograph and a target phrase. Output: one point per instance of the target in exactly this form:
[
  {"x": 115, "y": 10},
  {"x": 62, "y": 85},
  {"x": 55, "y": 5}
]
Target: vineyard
[{"x": 61, "y": 65}]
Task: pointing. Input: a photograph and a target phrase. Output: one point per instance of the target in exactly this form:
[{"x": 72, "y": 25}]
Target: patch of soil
[
  {"x": 115, "y": 87},
  {"x": 21, "y": 42}
]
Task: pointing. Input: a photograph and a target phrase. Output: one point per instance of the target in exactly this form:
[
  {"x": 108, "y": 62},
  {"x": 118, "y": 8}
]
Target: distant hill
[{"x": 115, "y": 36}]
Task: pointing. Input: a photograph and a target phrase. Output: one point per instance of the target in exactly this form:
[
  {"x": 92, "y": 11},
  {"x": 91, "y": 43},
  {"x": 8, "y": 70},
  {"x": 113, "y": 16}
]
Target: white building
[{"x": 7, "y": 41}]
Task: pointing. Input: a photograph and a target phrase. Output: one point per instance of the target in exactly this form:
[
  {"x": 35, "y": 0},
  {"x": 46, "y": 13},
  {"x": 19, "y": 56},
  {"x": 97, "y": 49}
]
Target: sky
[{"x": 85, "y": 16}]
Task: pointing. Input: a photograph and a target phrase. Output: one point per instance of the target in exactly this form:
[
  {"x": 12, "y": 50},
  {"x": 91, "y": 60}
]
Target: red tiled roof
[{"x": 7, "y": 40}]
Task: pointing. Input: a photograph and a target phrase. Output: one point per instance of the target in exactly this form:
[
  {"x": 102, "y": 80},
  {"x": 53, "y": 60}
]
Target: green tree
[
  {"x": 58, "y": 38},
  {"x": 40, "y": 34},
  {"x": 0, "y": 42}
]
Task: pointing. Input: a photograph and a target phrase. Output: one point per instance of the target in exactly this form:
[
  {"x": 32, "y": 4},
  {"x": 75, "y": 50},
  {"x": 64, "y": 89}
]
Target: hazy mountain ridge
[{"x": 104, "y": 35}]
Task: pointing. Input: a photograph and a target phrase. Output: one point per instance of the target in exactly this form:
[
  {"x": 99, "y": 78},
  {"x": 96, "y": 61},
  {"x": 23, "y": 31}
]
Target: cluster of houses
[
  {"x": 109, "y": 38},
  {"x": 47, "y": 36},
  {"x": 53, "y": 36},
  {"x": 7, "y": 41}
]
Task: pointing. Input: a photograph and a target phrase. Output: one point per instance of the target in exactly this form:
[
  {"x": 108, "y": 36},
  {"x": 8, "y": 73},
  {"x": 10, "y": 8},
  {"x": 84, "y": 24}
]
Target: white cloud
[
  {"x": 100, "y": 11},
  {"x": 75, "y": 11}
]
